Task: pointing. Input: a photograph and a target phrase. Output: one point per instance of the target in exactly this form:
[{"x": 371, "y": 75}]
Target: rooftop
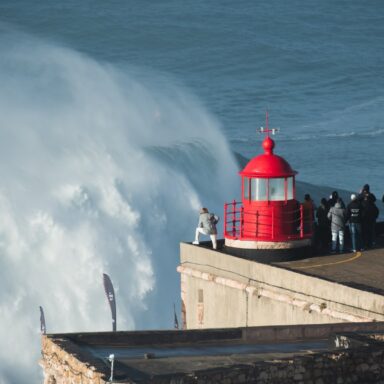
[{"x": 144, "y": 355}]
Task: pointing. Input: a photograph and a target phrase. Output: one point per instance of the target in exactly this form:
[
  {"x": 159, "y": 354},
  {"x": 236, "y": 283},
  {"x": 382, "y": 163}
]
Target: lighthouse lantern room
[{"x": 268, "y": 218}]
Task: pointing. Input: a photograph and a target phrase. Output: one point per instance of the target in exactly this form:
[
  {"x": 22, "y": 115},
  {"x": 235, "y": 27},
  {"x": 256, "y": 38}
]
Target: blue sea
[{"x": 119, "y": 119}]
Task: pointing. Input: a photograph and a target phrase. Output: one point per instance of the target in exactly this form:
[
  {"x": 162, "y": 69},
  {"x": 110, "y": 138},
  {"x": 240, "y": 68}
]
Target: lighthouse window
[
  {"x": 277, "y": 189},
  {"x": 259, "y": 189},
  {"x": 246, "y": 188},
  {"x": 290, "y": 188}
]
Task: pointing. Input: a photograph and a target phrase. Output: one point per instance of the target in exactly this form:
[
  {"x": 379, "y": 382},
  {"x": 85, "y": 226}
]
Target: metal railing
[{"x": 267, "y": 223}]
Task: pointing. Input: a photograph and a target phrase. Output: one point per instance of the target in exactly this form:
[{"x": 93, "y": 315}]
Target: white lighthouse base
[
  {"x": 249, "y": 244},
  {"x": 268, "y": 251}
]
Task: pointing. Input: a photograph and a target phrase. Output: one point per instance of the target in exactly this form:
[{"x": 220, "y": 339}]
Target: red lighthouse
[{"x": 269, "y": 223}]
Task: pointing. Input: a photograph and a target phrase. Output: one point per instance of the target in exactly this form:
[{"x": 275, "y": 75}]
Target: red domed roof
[{"x": 268, "y": 164}]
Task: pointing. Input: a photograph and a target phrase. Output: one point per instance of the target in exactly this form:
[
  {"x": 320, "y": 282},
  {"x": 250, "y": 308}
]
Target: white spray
[{"x": 99, "y": 173}]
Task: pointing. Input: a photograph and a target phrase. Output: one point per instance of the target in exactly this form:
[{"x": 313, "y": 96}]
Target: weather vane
[{"x": 267, "y": 130}]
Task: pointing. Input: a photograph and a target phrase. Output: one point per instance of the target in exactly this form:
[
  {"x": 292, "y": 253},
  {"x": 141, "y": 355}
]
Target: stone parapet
[
  {"x": 350, "y": 353},
  {"x": 63, "y": 366}
]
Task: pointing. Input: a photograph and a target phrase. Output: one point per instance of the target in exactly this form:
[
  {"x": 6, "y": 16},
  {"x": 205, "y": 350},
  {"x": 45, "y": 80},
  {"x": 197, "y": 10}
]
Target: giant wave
[{"x": 101, "y": 170}]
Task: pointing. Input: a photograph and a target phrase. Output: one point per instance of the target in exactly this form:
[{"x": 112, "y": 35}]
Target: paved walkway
[{"x": 361, "y": 270}]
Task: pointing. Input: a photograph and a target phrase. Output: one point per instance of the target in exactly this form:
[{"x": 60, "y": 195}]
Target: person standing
[
  {"x": 207, "y": 226},
  {"x": 365, "y": 191},
  {"x": 323, "y": 225},
  {"x": 308, "y": 213},
  {"x": 337, "y": 215},
  {"x": 370, "y": 213},
  {"x": 332, "y": 199},
  {"x": 354, "y": 216}
]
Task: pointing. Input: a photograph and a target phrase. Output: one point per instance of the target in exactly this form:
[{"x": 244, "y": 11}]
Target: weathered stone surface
[
  {"x": 63, "y": 364},
  {"x": 298, "y": 377}
]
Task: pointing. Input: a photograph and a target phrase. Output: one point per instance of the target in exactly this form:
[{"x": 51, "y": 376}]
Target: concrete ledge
[
  {"x": 269, "y": 334},
  {"x": 264, "y": 334},
  {"x": 244, "y": 244}
]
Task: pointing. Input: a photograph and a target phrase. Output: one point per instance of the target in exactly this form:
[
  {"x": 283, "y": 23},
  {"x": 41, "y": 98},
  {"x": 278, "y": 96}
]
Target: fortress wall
[
  {"x": 354, "y": 366},
  {"x": 61, "y": 367},
  {"x": 219, "y": 290}
]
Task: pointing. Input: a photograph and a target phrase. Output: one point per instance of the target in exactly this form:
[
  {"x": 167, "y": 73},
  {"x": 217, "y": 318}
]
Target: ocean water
[{"x": 119, "y": 119}]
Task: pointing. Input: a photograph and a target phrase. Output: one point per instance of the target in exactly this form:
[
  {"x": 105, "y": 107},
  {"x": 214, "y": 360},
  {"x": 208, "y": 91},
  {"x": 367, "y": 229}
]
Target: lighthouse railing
[
  {"x": 232, "y": 219},
  {"x": 265, "y": 223},
  {"x": 301, "y": 220}
]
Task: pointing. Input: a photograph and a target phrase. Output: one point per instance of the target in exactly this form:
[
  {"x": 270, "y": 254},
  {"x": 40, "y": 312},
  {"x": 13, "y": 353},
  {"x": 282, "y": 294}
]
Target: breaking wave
[{"x": 100, "y": 173}]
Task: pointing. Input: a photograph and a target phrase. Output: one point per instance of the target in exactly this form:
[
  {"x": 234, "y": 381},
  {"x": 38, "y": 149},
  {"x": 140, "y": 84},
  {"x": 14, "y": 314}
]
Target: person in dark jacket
[
  {"x": 370, "y": 213},
  {"x": 332, "y": 199},
  {"x": 354, "y": 216},
  {"x": 308, "y": 213},
  {"x": 365, "y": 191},
  {"x": 323, "y": 225},
  {"x": 337, "y": 215}
]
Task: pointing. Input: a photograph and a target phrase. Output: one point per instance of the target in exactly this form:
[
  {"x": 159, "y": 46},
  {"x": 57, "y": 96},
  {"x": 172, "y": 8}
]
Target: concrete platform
[{"x": 362, "y": 270}]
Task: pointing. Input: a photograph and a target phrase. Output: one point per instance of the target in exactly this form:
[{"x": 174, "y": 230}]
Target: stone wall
[
  {"x": 362, "y": 366},
  {"x": 219, "y": 290},
  {"x": 61, "y": 367}
]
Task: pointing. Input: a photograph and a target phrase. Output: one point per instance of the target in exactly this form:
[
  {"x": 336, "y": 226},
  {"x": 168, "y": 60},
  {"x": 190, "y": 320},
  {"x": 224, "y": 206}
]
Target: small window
[
  {"x": 277, "y": 189},
  {"x": 246, "y": 188},
  {"x": 290, "y": 188},
  {"x": 259, "y": 189}
]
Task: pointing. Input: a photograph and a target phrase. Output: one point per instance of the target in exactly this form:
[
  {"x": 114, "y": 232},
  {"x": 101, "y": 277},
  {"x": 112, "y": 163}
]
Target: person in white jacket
[
  {"x": 207, "y": 226},
  {"x": 337, "y": 215}
]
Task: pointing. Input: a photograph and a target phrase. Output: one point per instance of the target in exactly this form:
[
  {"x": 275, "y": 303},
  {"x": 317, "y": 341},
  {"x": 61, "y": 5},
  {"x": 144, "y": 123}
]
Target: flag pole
[{"x": 110, "y": 292}]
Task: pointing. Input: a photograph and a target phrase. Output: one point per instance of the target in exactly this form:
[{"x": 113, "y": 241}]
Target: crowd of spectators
[{"x": 331, "y": 218}]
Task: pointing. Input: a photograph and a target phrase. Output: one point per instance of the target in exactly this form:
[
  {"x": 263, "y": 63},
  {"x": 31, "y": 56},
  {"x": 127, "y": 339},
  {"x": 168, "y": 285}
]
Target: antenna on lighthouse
[{"x": 267, "y": 130}]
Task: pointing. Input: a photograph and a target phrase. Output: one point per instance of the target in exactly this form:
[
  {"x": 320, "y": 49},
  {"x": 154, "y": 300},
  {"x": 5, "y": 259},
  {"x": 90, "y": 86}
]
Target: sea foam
[{"x": 102, "y": 170}]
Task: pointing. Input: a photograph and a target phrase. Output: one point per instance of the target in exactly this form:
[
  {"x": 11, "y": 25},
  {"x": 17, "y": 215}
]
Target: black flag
[
  {"x": 176, "y": 322},
  {"x": 43, "y": 328},
  {"x": 110, "y": 292}
]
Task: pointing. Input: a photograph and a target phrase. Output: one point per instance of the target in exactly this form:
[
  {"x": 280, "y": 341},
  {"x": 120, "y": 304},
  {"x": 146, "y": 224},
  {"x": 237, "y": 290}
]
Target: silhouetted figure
[
  {"x": 308, "y": 213},
  {"x": 323, "y": 225},
  {"x": 365, "y": 191},
  {"x": 370, "y": 213},
  {"x": 332, "y": 199}
]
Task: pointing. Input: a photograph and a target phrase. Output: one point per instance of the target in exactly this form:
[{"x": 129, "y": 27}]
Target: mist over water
[{"x": 102, "y": 171}]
